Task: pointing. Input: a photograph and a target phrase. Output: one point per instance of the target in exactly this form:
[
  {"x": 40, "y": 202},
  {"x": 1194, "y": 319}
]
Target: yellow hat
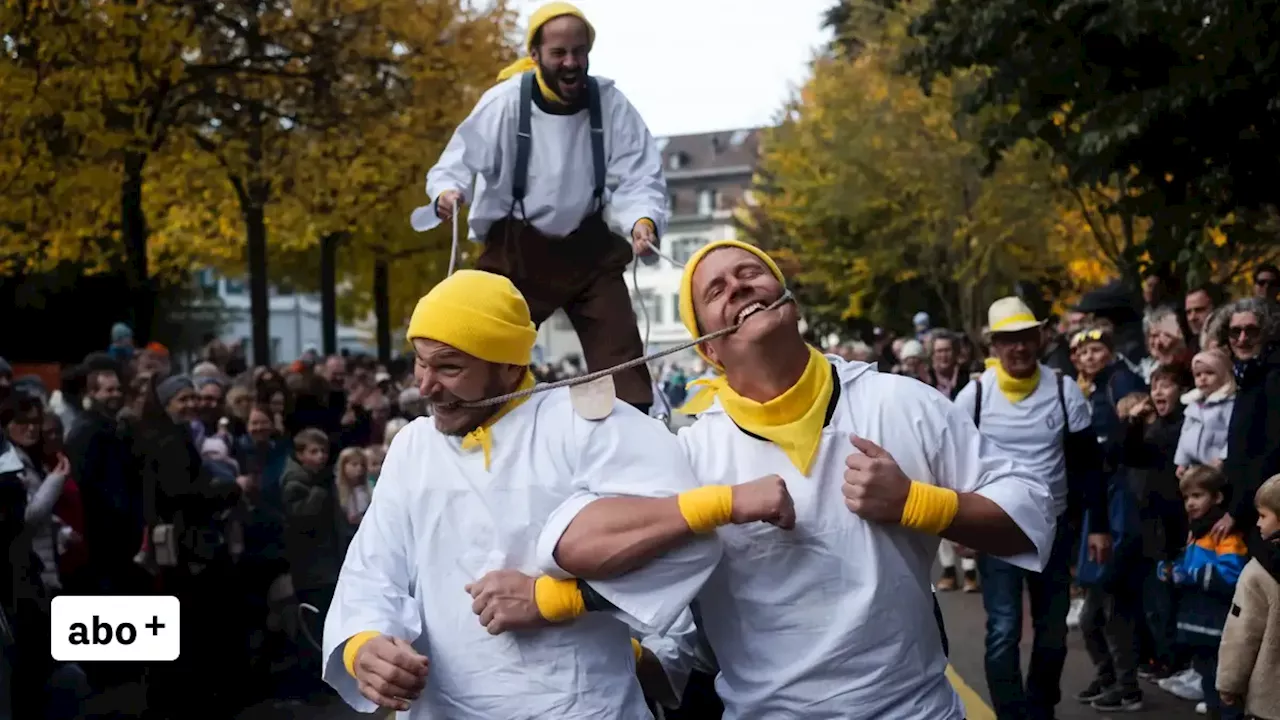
[
  {"x": 540, "y": 17},
  {"x": 479, "y": 313},
  {"x": 1010, "y": 314},
  {"x": 686, "y": 283}
]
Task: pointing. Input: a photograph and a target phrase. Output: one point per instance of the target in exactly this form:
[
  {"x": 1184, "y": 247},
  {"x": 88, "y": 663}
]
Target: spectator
[
  {"x": 22, "y": 419},
  {"x": 1198, "y": 305},
  {"x": 1205, "y": 575},
  {"x": 1253, "y": 439},
  {"x": 1208, "y": 412},
  {"x": 353, "y": 483},
  {"x": 1266, "y": 282},
  {"x": 1249, "y": 658}
]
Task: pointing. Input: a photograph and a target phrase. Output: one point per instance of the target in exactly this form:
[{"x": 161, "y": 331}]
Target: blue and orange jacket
[{"x": 1206, "y": 573}]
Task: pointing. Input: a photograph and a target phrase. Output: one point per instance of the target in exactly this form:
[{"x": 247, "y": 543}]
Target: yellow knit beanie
[
  {"x": 479, "y": 313},
  {"x": 686, "y": 283},
  {"x": 543, "y": 15}
]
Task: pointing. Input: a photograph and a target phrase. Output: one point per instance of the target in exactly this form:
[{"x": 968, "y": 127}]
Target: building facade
[
  {"x": 708, "y": 177},
  {"x": 294, "y": 321}
]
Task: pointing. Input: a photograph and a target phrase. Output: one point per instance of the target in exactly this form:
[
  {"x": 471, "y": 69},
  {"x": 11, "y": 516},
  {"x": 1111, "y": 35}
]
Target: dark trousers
[
  {"x": 1050, "y": 591},
  {"x": 1205, "y": 662},
  {"x": 1160, "y": 608},
  {"x": 700, "y": 701},
  {"x": 582, "y": 274}
]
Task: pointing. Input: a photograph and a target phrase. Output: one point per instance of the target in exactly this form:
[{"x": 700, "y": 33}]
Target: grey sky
[{"x": 700, "y": 65}]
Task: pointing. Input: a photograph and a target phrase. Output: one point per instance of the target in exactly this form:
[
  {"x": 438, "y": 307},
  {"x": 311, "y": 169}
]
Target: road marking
[{"x": 975, "y": 707}]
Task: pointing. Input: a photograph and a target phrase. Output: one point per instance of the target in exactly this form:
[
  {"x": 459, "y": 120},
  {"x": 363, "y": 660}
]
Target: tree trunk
[
  {"x": 382, "y": 308},
  {"x": 329, "y": 293},
  {"x": 133, "y": 226},
  {"x": 259, "y": 298}
]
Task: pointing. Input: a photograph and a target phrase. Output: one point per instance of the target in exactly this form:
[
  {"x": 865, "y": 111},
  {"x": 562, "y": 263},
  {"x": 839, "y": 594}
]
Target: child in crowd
[
  {"x": 1205, "y": 576},
  {"x": 374, "y": 455},
  {"x": 218, "y": 461},
  {"x": 353, "y": 483},
  {"x": 1208, "y": 412},
  {"x": 1249, "y": 659},
  {"x": 1154, "y": 426}
]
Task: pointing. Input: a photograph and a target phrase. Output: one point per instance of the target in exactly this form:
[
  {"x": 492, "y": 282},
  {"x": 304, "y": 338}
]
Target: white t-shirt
[{"x": 1031, "y": 431}]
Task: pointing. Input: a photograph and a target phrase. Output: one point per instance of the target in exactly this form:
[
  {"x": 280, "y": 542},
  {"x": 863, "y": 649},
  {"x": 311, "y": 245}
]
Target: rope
[{"x": 305, "y": 628}]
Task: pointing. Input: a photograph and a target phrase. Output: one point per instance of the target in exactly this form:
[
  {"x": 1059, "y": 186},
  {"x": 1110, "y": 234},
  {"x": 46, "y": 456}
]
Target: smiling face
[
  {"x": 447, "y": 375},
  {"x": 731, "y": 285},
  {"x": 562, "y": 56}
]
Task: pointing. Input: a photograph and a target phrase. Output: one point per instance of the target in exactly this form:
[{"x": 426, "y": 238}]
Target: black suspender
[
  {"x": 1062, "y": 403},
  {"x": 524, "y": 140}
]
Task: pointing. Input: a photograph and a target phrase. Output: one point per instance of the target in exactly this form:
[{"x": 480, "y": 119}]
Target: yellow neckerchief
[
  {"x": 1014, "y": 389},
  {"x": 793, "y": 421},
  {"x": 481, "y": 437}
]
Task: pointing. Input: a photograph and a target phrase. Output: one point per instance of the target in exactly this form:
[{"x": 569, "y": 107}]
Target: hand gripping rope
[{"x": 590, "y": 377}]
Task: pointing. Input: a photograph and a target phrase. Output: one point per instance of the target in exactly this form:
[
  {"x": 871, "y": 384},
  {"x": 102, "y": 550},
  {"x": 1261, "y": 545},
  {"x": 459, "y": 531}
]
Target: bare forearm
[
  {"x": 981, "y": 524},
  {"x": 613, "y": 536}
]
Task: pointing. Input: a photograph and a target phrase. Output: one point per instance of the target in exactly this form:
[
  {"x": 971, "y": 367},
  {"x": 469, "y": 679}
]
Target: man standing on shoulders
[
  {"x": 567, "y": 169},
  {"x": 834, "y": 618},
  {"x": 1034, "y": 414}
]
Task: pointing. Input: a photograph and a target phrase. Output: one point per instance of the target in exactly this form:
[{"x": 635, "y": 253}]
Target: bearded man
[{"x": 567, "y": 169}]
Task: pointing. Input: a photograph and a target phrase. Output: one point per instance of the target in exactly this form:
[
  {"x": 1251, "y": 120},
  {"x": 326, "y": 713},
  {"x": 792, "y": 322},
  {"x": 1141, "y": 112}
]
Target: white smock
[
  {"x": 561, "y": 180},
  {"x": 834, "y": 619},
  {"x": 439, "y": 521}
]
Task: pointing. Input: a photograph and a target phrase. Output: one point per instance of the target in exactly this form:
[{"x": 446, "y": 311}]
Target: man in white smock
[
  {"x": 469, "y": 491},
  {"x": 835, "y": 618},
  {"x": 564, "y": 169}
]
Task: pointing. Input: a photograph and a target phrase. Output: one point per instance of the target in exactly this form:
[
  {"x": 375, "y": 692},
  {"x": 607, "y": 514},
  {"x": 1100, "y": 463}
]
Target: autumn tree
[
  {"x": 1175, "y": 101},
  {"x": 876, "y": 192}
]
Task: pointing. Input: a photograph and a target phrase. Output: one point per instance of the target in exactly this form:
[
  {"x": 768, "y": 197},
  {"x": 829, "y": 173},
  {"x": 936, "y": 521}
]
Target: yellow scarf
[
  {"x": 482, "y": 437},
  {"x": 793, "y": 421},
  {"x": 1014, "y": 389},
  {"x": 524, "y": 65}
]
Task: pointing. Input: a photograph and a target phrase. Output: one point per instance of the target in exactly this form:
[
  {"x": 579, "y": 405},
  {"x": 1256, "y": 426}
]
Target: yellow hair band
[
  {"x": 706, "y": 508},
  {"x": 558, "y": 600},
  {"x": 352, "y": 648},
  {"x": 637, "y": 648},
  {"x": 929, "y": 508}
]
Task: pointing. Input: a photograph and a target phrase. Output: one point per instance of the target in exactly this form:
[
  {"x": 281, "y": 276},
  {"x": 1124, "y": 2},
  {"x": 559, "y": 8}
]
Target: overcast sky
[{"x": 700, "y": 65}]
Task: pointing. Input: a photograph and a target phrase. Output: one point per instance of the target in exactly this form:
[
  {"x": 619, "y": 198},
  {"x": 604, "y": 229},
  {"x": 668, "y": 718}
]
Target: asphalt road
[{"x": 966, "y": 626}]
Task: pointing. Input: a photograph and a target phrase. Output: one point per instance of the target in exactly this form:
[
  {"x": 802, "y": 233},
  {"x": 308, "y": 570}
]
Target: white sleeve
[
  {"x": 630, "y": 454},
  {"x": 1079, "y": 412},
  {"x": 676, "y": 651},
  {"x": 1188, "y": 439},
  {"x": 966, "y": 461},
  {"x": 474, "y": 149},
  {"x": 375, "y": 586},
  {"x": 639, "y": 189}
]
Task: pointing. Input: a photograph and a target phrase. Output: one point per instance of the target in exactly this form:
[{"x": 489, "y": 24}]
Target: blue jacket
[{"x": 1206, "y": 575}]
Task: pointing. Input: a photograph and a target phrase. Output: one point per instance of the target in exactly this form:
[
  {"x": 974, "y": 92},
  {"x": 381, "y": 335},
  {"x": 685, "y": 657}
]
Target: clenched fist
[
  {"x": 764, "y": 500},
  {"x": 390, "y": 672},
  {"x": 874, "y": 486},
  {"x": 504, "y": 600}
]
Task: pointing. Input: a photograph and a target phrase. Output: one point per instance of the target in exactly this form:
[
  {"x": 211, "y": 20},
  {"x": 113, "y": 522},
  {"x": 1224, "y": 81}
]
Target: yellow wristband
[
  {"x": 929, "y": 509},
  {"x": 707, "y": 508},
  {"x": 637, "y": 648},
  {"x": 352, "y": 648},
  {"x": 558, "y": 600}
]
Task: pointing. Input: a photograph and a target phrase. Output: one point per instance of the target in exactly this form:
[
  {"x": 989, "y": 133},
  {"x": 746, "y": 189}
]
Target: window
[
  {"x": 677, "y": 161},
  {"x": 683, "y": 248},
  {"x": 646, "y": 303},
  {"x": 739, "y": 137},
  {"x": 706, "y": 202},
  {"x": 675, "y": 307},
  {"x": 671, "y": 204},
  {"x": 234, "y": 287}
]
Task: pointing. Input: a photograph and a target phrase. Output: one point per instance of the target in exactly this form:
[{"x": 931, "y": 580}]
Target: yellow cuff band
[
  {"x": 707, "y": 508},
  {"x": 637, "y": 648},
  {"x": 929, "y": 509},
  {"x": 352, "y": 648},
  {"x": 558, "y": 600}
]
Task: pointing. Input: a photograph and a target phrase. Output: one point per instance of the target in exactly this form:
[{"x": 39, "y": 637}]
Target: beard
[
  {"x": 557, "y": 78},
  {"x": 459, "y": 421}
]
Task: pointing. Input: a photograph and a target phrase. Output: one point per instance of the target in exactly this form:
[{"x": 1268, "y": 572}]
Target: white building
[
  {"x": 294, "y": 322},
  {"x": 708, "y": 175}
]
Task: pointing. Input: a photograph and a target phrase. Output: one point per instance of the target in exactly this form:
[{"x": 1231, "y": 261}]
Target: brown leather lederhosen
[{"x": 583, "y": 273}]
